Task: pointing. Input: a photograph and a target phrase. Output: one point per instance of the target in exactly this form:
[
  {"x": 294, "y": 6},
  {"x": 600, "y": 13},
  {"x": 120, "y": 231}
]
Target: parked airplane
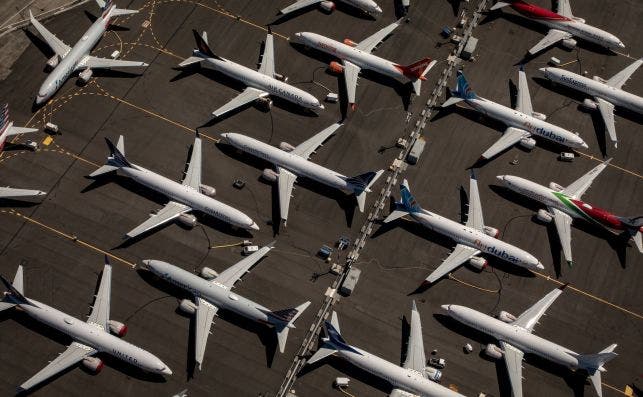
[
  {"x": 473, "y": 238},
  {"x": 213, "y": 291},
  {"x": 357, "y": 56},
  {"x": 606, "y": 93},
  {"x": 12, "y": 193},
  {"x": 68, "y": 60},
  {"x": 564, "y": 205},
  {"x": 563, "y": 26},
  {"x": 370, "y": 7},
  {"x": 523, "y": 122},
  {"x": 7, "y": 128},
  {"x": 185, "y": 197},
  {"x": 89, "y": 338},
  {"x": 412, "y": 378},
  {"x": 292, "y": 162},
  {"x": 516, "y": 339},
  {"x": 260, "y": 84}
]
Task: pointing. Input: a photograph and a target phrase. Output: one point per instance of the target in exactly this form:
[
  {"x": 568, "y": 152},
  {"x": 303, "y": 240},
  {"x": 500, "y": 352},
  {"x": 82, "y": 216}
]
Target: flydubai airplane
[
  {"x": 564, "y": 204},
  {"x": 522, "y": 121},
  {"x": 261, "y": 84},
  {"x": 606, "y": 93},
  {"x": 473, "y": 238},
  {"x": 7, "y": 129},
  {"x": 357, "y": 56},
  {"x": 370, "y": 7},
  {"x": 563, "y": 26},
  {"x": 68, "y": 60},
  {"x": 516, "y": 338}
]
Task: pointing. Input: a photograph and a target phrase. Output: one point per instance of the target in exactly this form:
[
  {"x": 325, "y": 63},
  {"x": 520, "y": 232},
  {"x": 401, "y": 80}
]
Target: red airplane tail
[{"x": 416, "y": 70}]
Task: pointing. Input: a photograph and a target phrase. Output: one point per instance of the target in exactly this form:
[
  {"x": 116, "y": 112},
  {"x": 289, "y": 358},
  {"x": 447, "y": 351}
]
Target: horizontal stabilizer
[
  {"x": 361, "y": 185},
  {"x": 122, "y": 11},
  {"x": 190, "y": 61},
  {"x": 321, "y": 353},
  {"x": 284, "y": 320},
  {"x": 103, "y": 170},
  {"x": 451, "y": 101},
  {"x": 499, "y": 5},
  {"x": 397, "y": 214}
]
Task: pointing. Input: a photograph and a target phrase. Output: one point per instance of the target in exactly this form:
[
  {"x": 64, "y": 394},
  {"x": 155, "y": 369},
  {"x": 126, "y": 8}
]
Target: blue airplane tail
[
  {"x": 115, "y": 160},
  {"x": 333, "y": 342},
  {"x": 462, "y": 91},
  {"x": 408, "y": 201}
]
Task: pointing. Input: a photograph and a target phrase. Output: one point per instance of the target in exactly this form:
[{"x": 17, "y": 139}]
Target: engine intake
[
  {"x": 286, "y": 147},
  {"x": 539, "y": 116},
  {"x": 478, "y": 262},
  {"x": 117, "y": 328},
  {"x": 208, "y": 273},
  {"x": 327, "y": 6},
  {"x": 269, "y": 175},
  {"x": 350, "y": 42},
  {"x": 589, "y": 104},
  {"x": 53, "y": 62},
  {"x": 506, "y": 317},
  {"x": 544, "y": 216},
  {"x": 85, "y": 75},
  {"x": 187, "y": 220},
  {"x": 208, "y": 190},
  {"x": 491, "y": 231},
  {"x": 187, "y": 306},
  {"x": 265, "y": 104},
  {"x": 433, "y": 374},
  {"x": 528, "y": 143},
  {"x": 93, "y": 364},
  {"x": 493, "y": 351},
  {"x": 556, "y": 187},
  {"x": 569, "y": 44},
  {"x": 336, "y": 67}
]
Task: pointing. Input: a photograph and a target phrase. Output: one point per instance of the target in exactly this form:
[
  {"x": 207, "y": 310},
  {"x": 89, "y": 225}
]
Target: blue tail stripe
[
  {"x": 463, "y": 89},
  {"x": 408, "y": 201}
]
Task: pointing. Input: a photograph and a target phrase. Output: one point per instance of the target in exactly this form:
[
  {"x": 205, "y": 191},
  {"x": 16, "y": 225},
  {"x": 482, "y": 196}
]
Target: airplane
[
  {"x": 564, "y": 205},
  {"x": 13, "y": 193},
  {"x": 261, "y": 84},
  {"x": 357, "y": 56},
  {"x": 292, "y": 162},
  {"x": 411, "y": 379},
  {"x": 563, "y": 26},
  {"x": 190, "y": 195},
  {"x": 213, "y": 292},
  {"x": 7, "y": 129},
  {"x": 606, "y": 93},
  {"x": 370, "y": 7},
  {"x": 516, "y": 339},
  {"x": 98, "y": 335},
  {"x": 473, "y": 238},
  {"x": 68, "y": 60},
  {"x": 522, "y": 122}
]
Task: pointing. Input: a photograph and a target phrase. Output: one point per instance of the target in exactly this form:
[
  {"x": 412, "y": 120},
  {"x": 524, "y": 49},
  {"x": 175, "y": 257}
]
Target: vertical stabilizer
[
  {"x": 361, "y": 184},
  {"x": 283, "y": 320},
  {"x": 593, "y": 364},
  {"x": 461, "y": 92}
]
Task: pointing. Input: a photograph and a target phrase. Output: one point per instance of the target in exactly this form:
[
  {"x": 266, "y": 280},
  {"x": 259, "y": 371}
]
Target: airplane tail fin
[
  {"x": 203, "y": 48},
  {"x": 461, "y": 92},
  {"x": 500, "y": 5},
  {"x": 408, "y": 201},
  {"x": 14, "y": 295},
  {"x": 634, "y": 227},
  {"x": 283, "y": 320},
  {"x": 116, "y": 158},
  {"x": 361, "y": 184},
  {"x": 416, "y": 72},
  {"x": 6, "y": 126},
  {"x": 593, "y": 364},
  {"x": 105, "y": 5},
  {"x": 333, "y": 342}
]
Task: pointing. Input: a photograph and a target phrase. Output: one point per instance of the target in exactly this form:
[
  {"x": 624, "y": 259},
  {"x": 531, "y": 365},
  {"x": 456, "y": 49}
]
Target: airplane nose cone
[
  {"x": 621, "y": 45},
  {"x": 378, "y": 9},
  {"x": 145, "y": 265},
  {"x": 501, "y": 178},
  {"x": 321, "y": 106},
  {"x": 296, "y": 38},
  {"x": 254, "y": 226},
  {"x": 166, "y": 371},
  {"x": 446, "y": 308},
  {"x": 584, "y": 145},
  {"x": 225, "y": 136},
  {"x": 543, "y": 70},
  {"x": 540, "y": 266}
]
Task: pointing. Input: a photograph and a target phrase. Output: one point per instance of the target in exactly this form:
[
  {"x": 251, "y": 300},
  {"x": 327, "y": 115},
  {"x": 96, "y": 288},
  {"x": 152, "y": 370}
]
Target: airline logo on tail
[
  {"x": 416, "y": 70},
  {"x": 4, "y": 118},
  {"x": 408, "y": 201},
  {"x": 463, "y": 89}
]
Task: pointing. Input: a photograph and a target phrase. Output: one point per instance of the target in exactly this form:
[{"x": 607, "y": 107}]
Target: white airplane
[
  {"x": 261, "y": 84},
  {"x": 213, "y": 292},
  {"x": 13, "y": 193},
  {"x": 523, "y": 122},
  {"x": 185, "y": 197},
  {"x": 7, "y": 129},
  {"x": 564, "y": 205},
  {"x": 68, "y": 60},
  {"x": 473, "y": 238},
  {"x": 606, "y": 93},
  {"x": 89, "y": 338},
  {"x": 292, "y": 162},
  {"x": 413, "y": 378},
  {"x": 370, "y": 7},
  {"x": 357, "y": 56},
  {"x": 563, "y": 26},
  {"x": 516, "y": 339}
]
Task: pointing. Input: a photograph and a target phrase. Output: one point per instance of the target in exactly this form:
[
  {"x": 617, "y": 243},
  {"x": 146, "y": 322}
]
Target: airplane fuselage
[{"x": 368, "y": 6}]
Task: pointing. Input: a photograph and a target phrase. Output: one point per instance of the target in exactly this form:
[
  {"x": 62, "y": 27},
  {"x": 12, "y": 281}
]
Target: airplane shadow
[
  {"x": 39, "y": 43},
  {"x": 20, "y": 203}
]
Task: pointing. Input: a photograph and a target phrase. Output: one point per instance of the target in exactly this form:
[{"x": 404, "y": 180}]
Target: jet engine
[
  {"x": 493, "y": 351},
  {"x": 336, "y": 67},
  {"x": 478, "y": 262},
  {"x": 265, "y": 104},
  {"x": 569, "y": 44},
  {"x": 556, "y": 187},
  {"x": 589, "y": 104},
  {"x": 433, "y": 374},
  {"x": 269, "y": 175},
  {"x": 350, "y": 42},
  {"x": 577, "y": 19},
  {"x": 281, "y": 77},
  {"x": 506, "y": 317},
  {"x": 85, "y": 75},
  {"x": 286, "y": 147},
  {"x": 53, "y": 62},
  {"x": 208, "y": 190},
  {"x": 599, "y": 79},
  {"x": 539, "y": 116},
  {"x": 528, "y": 143},
  {"x": 544, "y": 216},
  {"x": 93, "y": 364},
  {"x": 208, "y": 273},
  {"x": 117, "y": 328},
  {"x": 491, "y": 231},
  {"x": 327, "y": 6},
  {"x": 187, "y": 220},
  {"x": 187, "y": 306}
]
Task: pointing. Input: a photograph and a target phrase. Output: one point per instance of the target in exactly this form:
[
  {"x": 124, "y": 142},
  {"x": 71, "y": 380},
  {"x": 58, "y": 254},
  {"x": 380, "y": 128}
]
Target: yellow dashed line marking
[
  {"x": 614, "y": 388},
  {"x": 589, "y": 156},
  {"x": 452, "y": 277}
]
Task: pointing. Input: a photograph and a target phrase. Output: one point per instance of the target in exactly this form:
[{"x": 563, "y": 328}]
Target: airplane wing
[
  {"x": 523, "y": 102},
  {"x": 351, "y": 73},
  {"x": 193, "y": 175},
  {"x": 205, "y": 313},
  {"x": 508, "y": 139},
  {"x": 100, "y": 308},
  {"x": 106, "y": 63},
  {"x": 285, "y": 182},
  {"x": 461, "y": 253},
  {"x": 564, "y": 9},
  {"x": 513, "y": 360},
  {"x": 553, "y": 37},
  {"x": 58, "y": 46},
  {"x": 415, "y": 357},
  {"x": 372, "y": 41},
  {"x": 8, "y": 192},
  {"x": 75, "y": 353},
  {"x": 308, "y": 147},
  {"x": 232, "y": 274},
  {"x": 620, "y": 78},
  {"x": 529, "y": 318},
  {"x": 563, "y": 224},
  {"x": 474, "y": 216},
  {"x": 298, "y": 5},
  {"x": 248, "y": 95},
  {"x": 579, "y": 186},
  {"x": 267, "y": 66},
  {"x": 11, "y": 130},
  {"x": 607, "y": 113},
  {"x": 171, "y": 211}
]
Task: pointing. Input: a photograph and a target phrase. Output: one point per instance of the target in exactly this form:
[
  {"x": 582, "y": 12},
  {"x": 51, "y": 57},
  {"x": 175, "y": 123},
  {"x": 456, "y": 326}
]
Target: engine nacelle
[
  {"x": 493, "y": 351},
  {"x": 539, "y": 116},
  {"x": 544, "y": 216},
  {"x": 599, "y": 79},
  {"x": 556, "y": 187},
  {"x": 281, "y": 77},
  {"x": 208, "y": 273},
  {"x": 577, "y": 19},
  {"x": 187, "y": 306},
  {"x": 93, "y": 364},
  {"x": 269, "y": 175},
  {"x": 85, "y": 75},
  {"x": 528, "y": 143},
  {"x": 569, "y": 44},
  {"x": 187, "y": 220},
  {"x": 208, "y": 190},
  {"x": 491, "y": 231},
  {"x": 433, "y": 374},
  {"x": 478, "y": 262},
  {"x": 589, "y": 104},
  {"x": 117, "y": 328},
  {"x": 327, "y": 6},
  {"x": 286, "y": 147},
  {"x": 350, "y": 42},
  {"x": 506, "y": 317},
  {"x": 53, "y": 62},
  {"x": 336, "y": 67},
  {"x": 265, "y": 104}
]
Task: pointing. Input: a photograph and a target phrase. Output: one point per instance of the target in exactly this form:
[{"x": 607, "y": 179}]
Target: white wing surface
[
  {"x": 415, "y": 357},
  {"x": 73, "y": 355},
  {"x": 508, "y": 139},
  {"x": 298, "y": 5},
  {"x": 620, "y": 78},
  {"x": 8, "y": 192},
  {"x": 607, "y": 113},
  {"x": 474, "y": 215},
  {"x": 308, "y": 147},
  {"x": 372, "y": 41},
  {"x": 513, "y": 360},
  {"x": 193, "y": 175},
  {"x": 579, "y": 186},
  {"x": 267, "y": 66},
  {"x": 234, "y": 273},
  {"x": 248, "y": 95},
  {"x": 285, "y": 182},
  {"x": 553, "y": 37},
  {"x": 101, "y": 306},
  {"x": 461, "y": 253},
  {"x": 106, "y": 63},
  {"x": 563, "y": 224},
  {"x": 351, "y": 74},
  {"x": 171, "y": 211},
  {"x": 205, "y": 313},
  {"x": 529, "y": 318},
  {"x": 523, "y": 102},
  {"x": 11, "y": 130},
  {"x": 61, "y": 49}
]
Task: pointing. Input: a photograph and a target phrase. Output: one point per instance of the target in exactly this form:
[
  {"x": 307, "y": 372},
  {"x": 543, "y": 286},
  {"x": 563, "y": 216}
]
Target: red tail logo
[{"x": 416, "y": 69}]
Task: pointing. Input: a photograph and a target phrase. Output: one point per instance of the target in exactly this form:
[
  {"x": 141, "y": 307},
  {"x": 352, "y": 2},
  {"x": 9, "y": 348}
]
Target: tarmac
[{"x": 61, "y": 241}]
